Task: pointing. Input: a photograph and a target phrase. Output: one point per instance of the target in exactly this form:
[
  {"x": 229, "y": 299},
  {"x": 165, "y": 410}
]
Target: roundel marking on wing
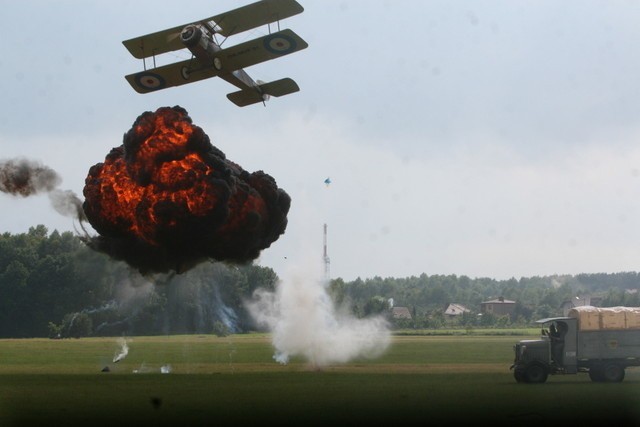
[
  {"x": 279, "y": 44},
  {"x": 150, "y": 81}
]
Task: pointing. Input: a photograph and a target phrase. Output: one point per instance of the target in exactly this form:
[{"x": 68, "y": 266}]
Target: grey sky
[{"x": 486, "y": 138}]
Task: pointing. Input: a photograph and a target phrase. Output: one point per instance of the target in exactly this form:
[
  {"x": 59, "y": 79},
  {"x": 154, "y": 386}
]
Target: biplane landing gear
[
  {"x": 185, "y": 72},
  {"x": 217, "y": 63}
]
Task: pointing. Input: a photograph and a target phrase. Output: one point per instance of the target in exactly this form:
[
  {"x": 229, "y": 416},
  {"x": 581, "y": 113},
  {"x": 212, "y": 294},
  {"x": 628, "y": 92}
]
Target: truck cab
[{"x": 555, "y": 352}]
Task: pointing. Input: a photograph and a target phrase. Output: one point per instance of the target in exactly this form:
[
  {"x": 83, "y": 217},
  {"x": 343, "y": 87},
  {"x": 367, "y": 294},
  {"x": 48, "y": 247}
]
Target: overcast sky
[{"x": 482, "y": 138}]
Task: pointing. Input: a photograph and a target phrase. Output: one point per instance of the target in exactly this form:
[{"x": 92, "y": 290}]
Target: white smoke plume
[
  {"x": 145, "y": 369},
  {"x": 131, "y": 295},
  {"x": 304, "y": 322},
  {"x": 122, "y": 352}
]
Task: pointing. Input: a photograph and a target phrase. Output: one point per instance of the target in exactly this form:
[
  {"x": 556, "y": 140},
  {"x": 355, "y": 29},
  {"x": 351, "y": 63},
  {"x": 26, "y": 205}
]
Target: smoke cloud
[
  {"x": 67, "y": 203},
  {"x": 25, "y": 178},
  {"x": 122, "y": 352},
  {"x": 167, "y": 199},
  {"x": 305, "y": 322}
]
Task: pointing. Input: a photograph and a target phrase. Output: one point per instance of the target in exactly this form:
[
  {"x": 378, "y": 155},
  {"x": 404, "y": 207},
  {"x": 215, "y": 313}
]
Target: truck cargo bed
[{"x": 609, "y": 344}]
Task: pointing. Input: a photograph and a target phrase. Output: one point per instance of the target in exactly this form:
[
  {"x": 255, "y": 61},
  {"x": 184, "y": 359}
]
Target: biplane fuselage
[
  {"x": 199, "y": 40},
  {"x": 210, "y": 59}
]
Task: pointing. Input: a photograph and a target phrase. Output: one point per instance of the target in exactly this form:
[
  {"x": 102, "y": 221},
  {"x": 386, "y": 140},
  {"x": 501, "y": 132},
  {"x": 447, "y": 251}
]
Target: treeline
[
  {"x": 427, "y": 297},
  {"x": 52, "y": 285}
]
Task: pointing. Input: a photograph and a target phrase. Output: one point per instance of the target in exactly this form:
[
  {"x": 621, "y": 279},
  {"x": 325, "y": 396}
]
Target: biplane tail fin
[{"x": 263, "y": 91}]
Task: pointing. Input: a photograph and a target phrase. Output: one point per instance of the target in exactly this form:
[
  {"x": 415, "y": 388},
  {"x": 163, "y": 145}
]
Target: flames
[{"x": 167, "y": 199}]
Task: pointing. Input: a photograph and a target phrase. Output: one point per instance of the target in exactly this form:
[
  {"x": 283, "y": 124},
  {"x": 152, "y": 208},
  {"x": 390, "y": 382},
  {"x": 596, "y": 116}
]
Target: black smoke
[
  {"x": 167, "y": 199},
  {"x": 25, "y": 178}
]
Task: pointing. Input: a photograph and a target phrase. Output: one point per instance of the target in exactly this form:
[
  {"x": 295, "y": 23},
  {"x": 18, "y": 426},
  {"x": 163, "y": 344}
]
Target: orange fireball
[{"x": 167, "y": 199}]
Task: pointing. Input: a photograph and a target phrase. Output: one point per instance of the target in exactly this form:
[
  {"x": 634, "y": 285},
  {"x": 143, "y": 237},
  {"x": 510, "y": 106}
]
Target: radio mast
[{"x": 325, "y": 256}]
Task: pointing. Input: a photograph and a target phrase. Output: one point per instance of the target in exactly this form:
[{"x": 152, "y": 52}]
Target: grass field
[{"x": 434, "y": 380}]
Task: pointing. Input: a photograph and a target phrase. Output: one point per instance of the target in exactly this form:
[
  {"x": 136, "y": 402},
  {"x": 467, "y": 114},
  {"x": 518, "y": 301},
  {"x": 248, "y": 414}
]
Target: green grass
[
  {"x": 234, "y": 380},
  {"x": 457, "y": 331}
]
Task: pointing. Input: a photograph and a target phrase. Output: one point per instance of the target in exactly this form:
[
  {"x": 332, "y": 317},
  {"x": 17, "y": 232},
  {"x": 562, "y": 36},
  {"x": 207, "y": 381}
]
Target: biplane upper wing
[
  {"x": 176, "y": 74},
  {"x": 255, "y": 15},
  {"x": 235, "y": 21},
  {"x": 155, "y": 43},
  {"x": 260, "y": 50}
]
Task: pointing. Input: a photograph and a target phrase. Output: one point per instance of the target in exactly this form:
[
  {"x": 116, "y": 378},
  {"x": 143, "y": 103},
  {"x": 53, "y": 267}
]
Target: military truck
[{"x": 602, "y": 342}]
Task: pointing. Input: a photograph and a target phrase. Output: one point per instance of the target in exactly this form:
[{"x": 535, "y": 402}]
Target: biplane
[{"x": 210, "y": 59}]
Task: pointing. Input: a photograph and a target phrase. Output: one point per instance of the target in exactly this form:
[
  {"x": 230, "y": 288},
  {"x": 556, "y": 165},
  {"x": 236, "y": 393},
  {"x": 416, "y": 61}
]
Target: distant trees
[
  {"x": 53, "y": 285},
  {"x": 43, "y": 277},
  {"x": 618, "y": 297},
  {"x": 536, "y": 297}
]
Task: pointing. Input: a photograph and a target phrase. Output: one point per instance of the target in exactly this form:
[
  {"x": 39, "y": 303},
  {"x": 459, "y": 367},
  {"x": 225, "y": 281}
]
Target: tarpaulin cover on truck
[{"x": 606, "y": 318}]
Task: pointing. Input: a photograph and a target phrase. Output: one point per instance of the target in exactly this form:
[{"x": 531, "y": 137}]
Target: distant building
[
  {"x": 400, "y": 313},
  {"x": 498, "y": 307},
  {"x": 454, "y": 310}
]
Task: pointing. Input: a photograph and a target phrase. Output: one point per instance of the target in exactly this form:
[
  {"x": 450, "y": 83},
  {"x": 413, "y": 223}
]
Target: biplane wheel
[
  {"x": 185, "y": 73},
  {"x": 217, "y": 63},
  {"x": 150, "y": 81},
  {"x": 279, "y": 44}
]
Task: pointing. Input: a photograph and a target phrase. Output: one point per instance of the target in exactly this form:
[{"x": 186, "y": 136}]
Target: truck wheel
[
  {"x": 535, "y": 373},
  {"x": 519, "y": 376},
  {"x": 596, "y": 374},
  {"x": 613, "y": 373}
]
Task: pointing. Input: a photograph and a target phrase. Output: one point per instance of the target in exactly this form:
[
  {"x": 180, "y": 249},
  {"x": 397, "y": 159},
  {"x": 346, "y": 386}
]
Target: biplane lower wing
[
  {"x": 277, "y": 88},
  {"x": 260, "y": 50},
  {"x": 176, "y": 74}
]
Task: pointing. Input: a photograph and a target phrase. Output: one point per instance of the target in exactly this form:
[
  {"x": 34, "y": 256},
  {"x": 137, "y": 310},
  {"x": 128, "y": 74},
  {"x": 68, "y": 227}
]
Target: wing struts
[{"x": 208, "y": 57}]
